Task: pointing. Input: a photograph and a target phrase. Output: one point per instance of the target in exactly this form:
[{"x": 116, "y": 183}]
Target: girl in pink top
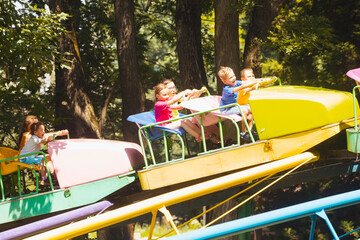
[
  {"x": 211, "y": 132},
  {"x": 164, "y": 107}
]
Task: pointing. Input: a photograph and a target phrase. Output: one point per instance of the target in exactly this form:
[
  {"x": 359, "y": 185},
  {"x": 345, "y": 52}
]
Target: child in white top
[{"x": 37, "y": 130}]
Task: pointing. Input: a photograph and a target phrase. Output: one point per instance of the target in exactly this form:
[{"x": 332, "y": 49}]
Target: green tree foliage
[
  {"x": 27, "y": 51},
  {"x": 312, "y": 42},
  {"x": 97, "y": 46},
  {"x": 157, "y": 41},
  {"x": 316, "y": 43}
]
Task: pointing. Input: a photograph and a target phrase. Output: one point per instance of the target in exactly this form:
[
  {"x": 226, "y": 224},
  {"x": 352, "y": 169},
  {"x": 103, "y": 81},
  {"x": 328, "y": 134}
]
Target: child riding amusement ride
[{"x": 289, "y": 121}]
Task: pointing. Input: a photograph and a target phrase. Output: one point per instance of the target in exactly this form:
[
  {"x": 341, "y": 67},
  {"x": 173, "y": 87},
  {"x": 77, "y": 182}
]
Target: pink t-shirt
[{"x": 162, "y": 111}]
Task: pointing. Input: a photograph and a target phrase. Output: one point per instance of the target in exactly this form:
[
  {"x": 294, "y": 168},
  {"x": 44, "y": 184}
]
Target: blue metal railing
[
  {"x": 354, "y": 103},
  {"x": 314, "y": 209}
]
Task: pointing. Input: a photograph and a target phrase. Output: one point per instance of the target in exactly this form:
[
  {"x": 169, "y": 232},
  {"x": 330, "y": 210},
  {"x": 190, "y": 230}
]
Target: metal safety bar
[
  {"x": 354, "y": 101},
  {"x": 145, "y": 127},
  {"x": 19, "y": 164},
  {"x": 58, "y": 134}
]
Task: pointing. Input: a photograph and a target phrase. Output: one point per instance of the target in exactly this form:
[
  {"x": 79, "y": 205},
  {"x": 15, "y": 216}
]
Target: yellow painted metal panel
[
  {"x": 204, "y": 166},
  {"x": 237, "y": 158},
  {"x": 292, "y": 118},
  {"x": 284, "y": 110},
  {"x": 171, "y": 198}
]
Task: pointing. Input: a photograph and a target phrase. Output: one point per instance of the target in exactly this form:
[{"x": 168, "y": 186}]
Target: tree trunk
[
  {"x": 188, "y": 33},
  {"x": 227, "y": 50},
  {"x": 263, "y": 14},
  {"x": 227, "y": 53},
  {"x": 74, "y": 109},
  {"x": 133, "y": 97}
]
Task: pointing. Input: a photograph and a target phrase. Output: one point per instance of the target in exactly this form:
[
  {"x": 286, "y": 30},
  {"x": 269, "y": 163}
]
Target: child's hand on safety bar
[
  {"x": 63, "y": 132},
  {"x": 49, "y": 138}
]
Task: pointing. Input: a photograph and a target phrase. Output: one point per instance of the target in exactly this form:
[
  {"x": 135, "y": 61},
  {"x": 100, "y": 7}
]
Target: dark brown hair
[{"x": 35, "y": 126}]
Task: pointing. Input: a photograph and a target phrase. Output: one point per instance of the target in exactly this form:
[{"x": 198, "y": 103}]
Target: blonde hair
[
  {"x": 242, "y": 73},
  {"x": 158, "y": 88},
  {"x": 224, "y": 72}
]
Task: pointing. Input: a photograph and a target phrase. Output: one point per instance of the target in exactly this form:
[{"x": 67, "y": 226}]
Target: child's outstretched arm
[
  {"x": 247, "y": 84},
  {"x": 263, "y": 82},
  {"x": 267, "y": 81},
  {"x": 176, "y": 106},
  {"x": 46, "y": 138},
  {"x": 249, "y": 89},
  {"x": 50, "y": 135},
  {"x": 58, "y": 133},
  {"x": 196, "y": 93},
  {"x": 185, "y": 92},
  {"x": 177, "y": 97}
]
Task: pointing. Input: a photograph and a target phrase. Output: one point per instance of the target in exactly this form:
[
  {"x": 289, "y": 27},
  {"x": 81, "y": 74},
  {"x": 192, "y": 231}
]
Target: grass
[{"x": 162, "y": 227}]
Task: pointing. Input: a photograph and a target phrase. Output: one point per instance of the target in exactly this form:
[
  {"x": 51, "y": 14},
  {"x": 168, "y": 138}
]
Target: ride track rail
[
  {"x": 314, "y": 209},
  {"x": 265, "y": 170},
  {"x": 153, "y": 204}
]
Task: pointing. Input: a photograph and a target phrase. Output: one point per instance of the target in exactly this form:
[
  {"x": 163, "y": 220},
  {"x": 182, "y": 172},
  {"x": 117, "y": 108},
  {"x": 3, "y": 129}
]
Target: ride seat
[
  {"x": 10, "y": 166},
  {"x": 354, "y": 74},
  {"x": 155, "y": 132}
]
